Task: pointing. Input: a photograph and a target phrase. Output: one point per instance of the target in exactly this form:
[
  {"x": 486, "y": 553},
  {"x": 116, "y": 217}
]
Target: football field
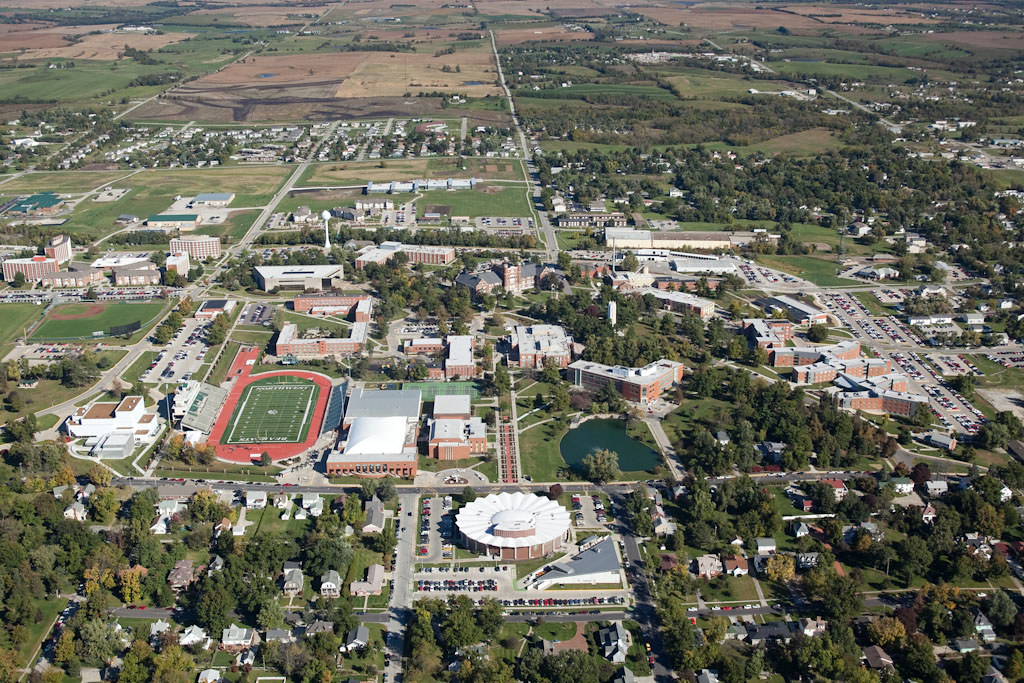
[{"x": 273, "y": 410}]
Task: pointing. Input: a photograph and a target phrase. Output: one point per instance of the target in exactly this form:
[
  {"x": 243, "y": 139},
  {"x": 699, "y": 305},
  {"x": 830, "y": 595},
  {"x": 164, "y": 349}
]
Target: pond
[{"x": 592, "y": 435}]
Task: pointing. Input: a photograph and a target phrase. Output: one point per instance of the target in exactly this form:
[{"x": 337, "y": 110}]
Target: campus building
[
  {"x": 381, "y": 429},
  {"x": 113, "y": 429},
  {"x": 799, "y": 312},
  {"x": 640, "y": 385},
  {"x": 592, "y": 220},
  {"x": 211, "y": 308},
  {"x": 59, "y": 249},
  {"x": 884, "y": 401},
  {"x": 198, "y": 247},
  {"x": 459, "y": 360},
  {"x": 41, "y": 204},
  {"x": 816, "y": 364},
  {"x": 174, "y": 221},
  {"x": 77, "y": 275},
  {"x": 314, "y": 278},
  {"x": 33, "y": 268},
  {"x": 630, "y": 238},
  {"x": 535, "y": 346},
  {"x": 681, "y": 302},
  {"x": 357, "y": 305},
  {"x": 424, "y": 345},
  {"x": 178, "y": 262},
  {"x": 453, "y": 432},
  {"x": 289, "y": 343},
  {"x": 514, "y": 278},
  {"x": 768, "y": 333},
  {"x": 136, "y": 274},
  {"x": 513, "y": 526},
  {"x": 417, "y": 253}
]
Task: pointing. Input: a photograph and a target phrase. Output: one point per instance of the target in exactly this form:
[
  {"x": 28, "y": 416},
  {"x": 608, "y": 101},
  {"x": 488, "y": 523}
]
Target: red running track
[{"x": 240, "y": 377}]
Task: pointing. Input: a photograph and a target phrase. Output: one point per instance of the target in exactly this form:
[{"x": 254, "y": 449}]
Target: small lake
[{"x": 592, "y": 435}]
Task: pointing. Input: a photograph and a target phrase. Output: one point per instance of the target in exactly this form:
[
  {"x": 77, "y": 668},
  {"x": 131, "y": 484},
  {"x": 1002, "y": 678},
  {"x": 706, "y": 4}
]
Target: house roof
[
  {"x": 598, "y": 558},
  {"x": 876, "y": 657}
]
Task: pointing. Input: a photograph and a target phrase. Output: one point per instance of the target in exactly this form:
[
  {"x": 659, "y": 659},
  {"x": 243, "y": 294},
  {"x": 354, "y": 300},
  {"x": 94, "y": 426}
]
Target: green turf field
[
  {"x": 428, "y": 390},
  {"x": 273, "y": 410},
  {"x": 120, "y": 313}
]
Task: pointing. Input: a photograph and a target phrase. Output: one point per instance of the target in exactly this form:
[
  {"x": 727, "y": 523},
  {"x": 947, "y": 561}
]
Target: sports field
[
  {"x": 429, "y": 390},
  {"x": 274, "y": 410},
  {"x": 75, "y": 321}
]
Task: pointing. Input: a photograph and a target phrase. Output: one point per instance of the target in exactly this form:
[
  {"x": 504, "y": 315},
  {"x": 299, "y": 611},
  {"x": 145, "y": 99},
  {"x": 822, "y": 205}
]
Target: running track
[{"x": 239, "y": 376}]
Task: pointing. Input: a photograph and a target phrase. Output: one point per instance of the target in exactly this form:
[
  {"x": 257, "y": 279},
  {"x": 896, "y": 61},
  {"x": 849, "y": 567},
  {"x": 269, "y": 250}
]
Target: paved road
[{"x": 881, "y": 119}]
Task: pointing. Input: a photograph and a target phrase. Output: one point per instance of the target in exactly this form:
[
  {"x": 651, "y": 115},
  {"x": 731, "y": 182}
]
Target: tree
[
  {"x": 265, "y": 459},
  {"x": 559, "y": 400},
  {"x": 212, "y": 609},
  {"x": 19, "y": 280},
  {"x": 630, "y": 262},
  {"x": 173, "y": 665},
  {"x": 555, "y": 491},
  {"x": 886, "y": 630},
  {"x": 468, "y": 495},
  {"x": 99, "y": 475},
  {"x": 817, "y": 333},
  {"x": 218, "y": 331},
  {"x": 97, "y": 642},
  {"x": 102, "y": 504},
  {"x": 502, "y": 381},
  {"x": 602, "y": 466},
  {"x": 1001, "y": 610},
  {"x": 779, "y": 568},
  {"x": 271, "y": 615}
]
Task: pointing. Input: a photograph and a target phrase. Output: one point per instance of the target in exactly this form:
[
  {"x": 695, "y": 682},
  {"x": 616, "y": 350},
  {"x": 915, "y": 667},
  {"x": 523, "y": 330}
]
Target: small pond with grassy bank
[{"x": 593, "y": 435}]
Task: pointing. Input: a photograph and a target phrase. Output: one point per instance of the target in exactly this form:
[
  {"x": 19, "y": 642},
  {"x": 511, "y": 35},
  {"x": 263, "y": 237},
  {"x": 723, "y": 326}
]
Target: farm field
[
  {"x": 65, "y": 182},
  {"x": 273, "y": 410},
  {"x": 359, "y": 172},
  {"x": 72, "y": 321}
]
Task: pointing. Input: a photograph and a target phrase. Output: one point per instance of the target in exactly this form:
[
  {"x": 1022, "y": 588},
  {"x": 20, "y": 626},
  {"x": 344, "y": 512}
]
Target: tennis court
[
  {"x": 278, "y": 409},
  {"x": 429, "y": 390}
]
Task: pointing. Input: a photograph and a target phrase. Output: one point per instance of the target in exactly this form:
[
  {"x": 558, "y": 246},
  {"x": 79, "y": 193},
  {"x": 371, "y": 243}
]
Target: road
[
  {"x": 894, "y": 127},
  {"x": 761, "y": 65}
]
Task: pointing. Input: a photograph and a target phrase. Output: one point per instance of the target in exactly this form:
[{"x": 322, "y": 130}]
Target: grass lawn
[
  {"x": 817, "y": 270},
  {"x": 539, "y": 452},
  {"x": 16, "y": 318},
  {"x": 434, "y": 465},
  {"x": 556, "y": 630},
  {"x": 679, "y": 422},
  {"x": 483, "y": 200},
  {"x": 141, "y": 364},
  {"x": 220, "y": 370},
  {"x": 111, "y": 315},
  {"x": 524, "y": 568},
  {"x": 872, "y": 303},
  {"x": 729, "y": 589},
  {"x": 511, "y": 632},
  {"x": 214, "y": 476},
  {"x": 39, "y": 629}
]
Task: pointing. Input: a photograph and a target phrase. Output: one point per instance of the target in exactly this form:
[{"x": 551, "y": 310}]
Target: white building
[{"x": 113, "y": 429}]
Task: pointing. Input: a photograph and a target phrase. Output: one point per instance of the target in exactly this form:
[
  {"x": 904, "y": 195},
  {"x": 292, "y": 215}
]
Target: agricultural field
[
  {"x": 273, "y": 410},
  {"x": 80, "y": 321},
  {"x": 361, "y": 172}
]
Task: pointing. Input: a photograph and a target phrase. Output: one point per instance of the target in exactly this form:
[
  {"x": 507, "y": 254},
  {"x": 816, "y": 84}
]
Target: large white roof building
[{"x": 513, "y": 526}]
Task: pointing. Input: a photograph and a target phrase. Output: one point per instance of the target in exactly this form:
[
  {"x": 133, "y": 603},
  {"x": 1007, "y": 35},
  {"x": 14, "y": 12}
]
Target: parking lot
[
  {"x": 955, "y": 365},
  {"x": 588, "y": 511},
  {"x": 257, "y": 314},
  {"x": 759, "y": 275},
  {"x": 510, "y": 223},
  {"x": 402, "y": 214},
  {"x": 856, "y": 318},
  {"x": 1008, "y": 359},
  {"x": 949, "y": 407},
  {"x": 183, "y": 355}
]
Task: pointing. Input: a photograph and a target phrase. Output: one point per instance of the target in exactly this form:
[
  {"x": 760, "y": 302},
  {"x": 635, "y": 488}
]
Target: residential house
[
  {"x": 877, "y": 659},
  {"x": 993, "y": 675},
  {"x": 76, "y": 511},
  {"x": 356, "y": 639},
  {"x": 372, "y": 586},
  {"x": 902, "y": 485},
  {"x": 255, "y": 500},
  {"x": 157, "y": 628},
  {"x": 624, "y": 675},
  {"x": 614, "y": 641},
  {"x": 182, "y": 575},
  {"x": 936, "y": 489},
  {"x": 279, "y": 635},
  {"x": 765, "y": 546},
  {"x": 236, "y": 638},
  {"x": 209, "y": 676},
  {"x": 193, "y": 635},
  {"x": 983, "y": 628},
  {"x": 965, "y": 645},
  {"x": 928, "y": 514},
  {"x": 813, "y": 627},
  {"x": 708, "y": 566},
  {"x": 770, "y": 451},
  {"x": 707, "y": 676},
  {"x": 771, "y": 633},
  {"x": 330, "y": 584},
  {"x": 806, "y": 561},
  {"x": 736, "y": 565},
  {"x": 838, "y": 486},
  {"x": 374, "y": 516},
  {"x": 319, "y": 626},
  {"x": 801, "y": 529},
  {"x": 292, "y": 580}
]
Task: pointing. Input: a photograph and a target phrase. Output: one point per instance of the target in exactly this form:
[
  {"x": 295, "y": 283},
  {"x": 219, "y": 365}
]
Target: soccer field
[
  {"x": 430, "y": 390},
  {"x": 273, "y": 410}
]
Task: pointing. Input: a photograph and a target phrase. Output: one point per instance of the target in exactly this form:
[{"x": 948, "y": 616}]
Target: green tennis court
[
  {"x": 273, "y": 410},
  {"x": 428, "y": 390}
]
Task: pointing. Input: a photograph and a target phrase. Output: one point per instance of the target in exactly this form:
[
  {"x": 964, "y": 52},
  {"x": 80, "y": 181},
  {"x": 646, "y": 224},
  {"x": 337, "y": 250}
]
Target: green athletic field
[
  {"x": 273, "y": 410},
  {"x": 59, "y": 323},
  {"x": 428, "y": 390}
]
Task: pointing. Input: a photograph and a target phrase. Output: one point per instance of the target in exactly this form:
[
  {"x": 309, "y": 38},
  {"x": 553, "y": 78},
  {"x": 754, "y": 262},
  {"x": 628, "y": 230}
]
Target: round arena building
[{"x": 513, "y": 526}]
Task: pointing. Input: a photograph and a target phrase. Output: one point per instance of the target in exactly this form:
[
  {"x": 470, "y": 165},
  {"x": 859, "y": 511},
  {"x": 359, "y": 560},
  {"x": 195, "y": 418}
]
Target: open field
[
  {"x": 359, "y": 172},
  {"x": 816, "y": 270},
  {"x": 274, "y": 15},
  {"x": 105, "y": 46},
  {"x": 547, "y": 34},
  {"x": 70, "y": 321},
  {"x": 393, "y": 74},
  {"x": 273, "y": 410},
  {"x": 1004, "y": 40},
  {"x": 64, "y": 182},
  {"x": 481, "y": 201},
  {"x": 14, "y": 318}
]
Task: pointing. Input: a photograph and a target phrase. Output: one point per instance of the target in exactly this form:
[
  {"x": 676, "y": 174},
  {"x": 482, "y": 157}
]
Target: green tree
[
  {"x": 602, "y": 466},
  {"x": 817, "y": 333},
  {"x": 172, "y": 665},
  {"x": 212, "y": 609},
  {"x": 1001, "y": 610},
  {"x": 630, "y": 262},
  {"x": 271, "y": 615}
]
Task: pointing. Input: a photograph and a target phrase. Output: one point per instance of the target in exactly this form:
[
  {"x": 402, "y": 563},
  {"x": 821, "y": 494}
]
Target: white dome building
[{"x": 513, "y": 526}]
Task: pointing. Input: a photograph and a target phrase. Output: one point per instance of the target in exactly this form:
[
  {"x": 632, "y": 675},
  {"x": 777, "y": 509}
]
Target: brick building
[{"x": 640, "y": 385}]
